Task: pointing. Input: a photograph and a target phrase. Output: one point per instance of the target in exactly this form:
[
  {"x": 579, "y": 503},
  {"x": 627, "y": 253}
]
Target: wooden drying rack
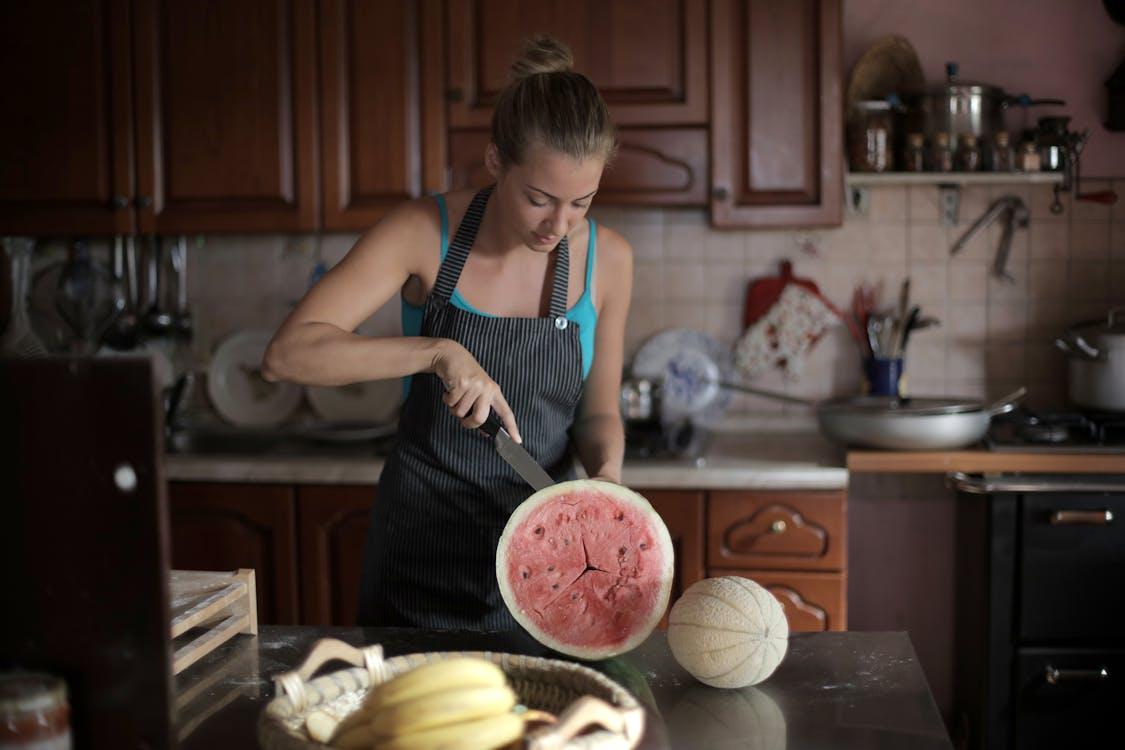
[{"x": 221, "y": 604}]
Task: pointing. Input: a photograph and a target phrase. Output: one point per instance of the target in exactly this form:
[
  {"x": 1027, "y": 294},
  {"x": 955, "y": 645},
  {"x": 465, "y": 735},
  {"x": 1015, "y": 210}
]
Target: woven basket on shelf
[{"x": 580, "y": 696}]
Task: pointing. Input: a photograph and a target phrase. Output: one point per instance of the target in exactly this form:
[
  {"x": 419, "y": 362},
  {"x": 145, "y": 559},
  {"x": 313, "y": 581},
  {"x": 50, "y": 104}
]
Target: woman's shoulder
[{"x": 614, "y": 251}]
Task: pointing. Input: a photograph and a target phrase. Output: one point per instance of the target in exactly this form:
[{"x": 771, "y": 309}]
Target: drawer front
[
  {"x": 1073, "y": 566},
  {"x": 1064, "y": 699},
  {"x": 776, "y": 530},
  {"x": 812, "y": 602}
]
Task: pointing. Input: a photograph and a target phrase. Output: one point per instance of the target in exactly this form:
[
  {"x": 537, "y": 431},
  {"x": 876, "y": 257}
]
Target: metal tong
[{"x": 1015, "y": 214}]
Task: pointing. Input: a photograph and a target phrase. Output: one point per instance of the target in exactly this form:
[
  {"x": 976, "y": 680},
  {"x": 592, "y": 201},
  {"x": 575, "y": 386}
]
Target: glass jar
[
  {"x": 941, "y": 156},
  {"x": 967, "y": 158},
  {"x": 1000, "y": 155},
  {"x": 34, "y": 713},
  {"x": 1028, "y": 158},
  {"x": 871, "y": 137},
  {"x": 914, "y": 156}
]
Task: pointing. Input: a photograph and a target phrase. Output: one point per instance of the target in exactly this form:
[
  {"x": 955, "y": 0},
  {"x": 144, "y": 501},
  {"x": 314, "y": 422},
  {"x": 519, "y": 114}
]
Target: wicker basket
[{"x": 581, "y": 697}]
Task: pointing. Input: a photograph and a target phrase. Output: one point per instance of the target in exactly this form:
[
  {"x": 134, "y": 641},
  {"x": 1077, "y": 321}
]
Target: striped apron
[{"x": 445, "y": 494}]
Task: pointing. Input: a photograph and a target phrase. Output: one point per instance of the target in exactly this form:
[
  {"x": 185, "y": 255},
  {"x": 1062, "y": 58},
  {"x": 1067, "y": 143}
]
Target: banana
[
  {"x": 453, "y": 706},
  {"x": 481, "y": 734},
  {"x": 321, "y": 726},
  {"x": 457, "y": 672},
  {"x": 354, "y": 738}
]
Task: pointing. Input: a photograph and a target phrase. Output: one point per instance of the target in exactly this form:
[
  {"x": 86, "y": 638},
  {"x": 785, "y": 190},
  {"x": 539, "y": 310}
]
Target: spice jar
[
  {"x": 871, "y": 137},
  {"x": 941, "y": 158},
  {"x": 967, "y": 158},
  {"x": 914, "y": 157},
  {"x": 34, "y": 713},
  {"x": 999, "y": 151},
  {"x": 1028, "y": 158}
]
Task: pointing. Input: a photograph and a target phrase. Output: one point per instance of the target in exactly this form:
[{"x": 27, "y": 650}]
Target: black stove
[{"x": 1026, "y": 430}]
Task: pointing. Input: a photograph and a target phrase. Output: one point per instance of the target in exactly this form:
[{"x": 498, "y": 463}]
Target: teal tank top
[{"x": 583, "y": 313}]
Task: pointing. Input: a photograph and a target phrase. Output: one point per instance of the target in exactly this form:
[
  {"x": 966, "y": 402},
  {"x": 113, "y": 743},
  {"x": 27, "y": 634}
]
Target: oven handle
[
  {"x": 1055, "y": 676},
  {"x": 1103, "y": 517},
  {"x": 978, "y": 485}
]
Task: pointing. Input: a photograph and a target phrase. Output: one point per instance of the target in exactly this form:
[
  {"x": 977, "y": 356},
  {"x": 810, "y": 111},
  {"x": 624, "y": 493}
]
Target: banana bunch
[{"x": 453, "y": 704}]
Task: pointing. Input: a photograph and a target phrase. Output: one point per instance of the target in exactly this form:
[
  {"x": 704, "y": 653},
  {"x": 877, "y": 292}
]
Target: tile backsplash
[{"x": 994, "y": 337}]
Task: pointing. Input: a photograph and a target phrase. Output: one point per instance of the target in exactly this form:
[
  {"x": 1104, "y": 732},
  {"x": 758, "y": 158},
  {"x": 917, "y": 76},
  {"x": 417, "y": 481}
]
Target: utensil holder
[{"x": 883, "y": 377}]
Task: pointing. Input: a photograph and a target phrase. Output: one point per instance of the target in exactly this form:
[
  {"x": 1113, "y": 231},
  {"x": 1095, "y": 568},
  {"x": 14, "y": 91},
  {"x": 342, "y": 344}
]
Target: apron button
[{"x": 561, "y": 323}]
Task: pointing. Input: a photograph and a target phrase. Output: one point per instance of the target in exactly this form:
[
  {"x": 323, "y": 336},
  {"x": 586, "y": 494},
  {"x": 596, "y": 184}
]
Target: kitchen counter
[
  {"x": 839, "y": 690},
  {"x": 982, "y": 461},
  {"x": 731, "y": 460}
]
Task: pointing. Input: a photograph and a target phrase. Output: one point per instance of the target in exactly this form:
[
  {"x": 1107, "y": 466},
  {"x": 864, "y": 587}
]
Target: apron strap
[
  {"x": 450, "y": 270},
  {"x": 454, "y": 263}
]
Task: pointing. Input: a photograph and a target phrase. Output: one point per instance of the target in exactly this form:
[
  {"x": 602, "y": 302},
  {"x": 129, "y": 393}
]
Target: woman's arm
[
  {"x": 599, "y": 434},
  {"x": 316, "y": 345}
]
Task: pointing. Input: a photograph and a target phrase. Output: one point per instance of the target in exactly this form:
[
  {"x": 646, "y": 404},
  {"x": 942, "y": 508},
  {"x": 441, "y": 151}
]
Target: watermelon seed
[
  {"x": 539, "y": 531},
  {"x": 619, "y": 516},
  {"x": 525, "y": 573},
  {"x": 621, "y": 551},
  {"x": 644, "y": 546},
  {"x": 550, "y": 568},
  {"x": 574, "y": 596},
  {"x": 554, "y": 586}
]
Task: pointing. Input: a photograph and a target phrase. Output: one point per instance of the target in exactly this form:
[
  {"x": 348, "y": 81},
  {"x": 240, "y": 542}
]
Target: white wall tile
[
  {"x": 1007, "y": 321},
  {"x": 922, "y": 203},
  {"x": 928, "y": 241},
  {"x": 888, "y": 205},
  {"x": 1117, "y": 283},
  {"x": 724, "y": 283},
  {"x": 1088, "y": 281},
  {"x": 929, "y": 281},
  {"x": 683, "y": 281},
  {"x": 966, "y": 362},
  {"x": 646, "y": 240},
  {"x": 725, "y": 246},
  {"x": 1006, "y": 361},
  {"x": 1089, "y": 239},
  {"x": 684, "y": 315},
  {"x": 1049, "y": 239},
  {"x": 1047, "y": 280},
  {"x": 648, "y": 280},
  {"x": 888, "y": 242},
  {"x": 1117, "y": 234},
  {"x": 1043, "y": 198},
  {"x": 968, "y": 280},
  {"x": 967, "y": 323},
  {"x": 1089, "y": 210}
]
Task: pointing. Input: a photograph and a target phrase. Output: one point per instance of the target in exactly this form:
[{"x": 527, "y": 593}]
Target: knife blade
[{"x": 512, "y": 452}]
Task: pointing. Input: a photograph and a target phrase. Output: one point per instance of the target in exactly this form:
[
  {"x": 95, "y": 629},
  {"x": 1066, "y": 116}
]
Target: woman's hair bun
[{"x": 542, "y": 53}]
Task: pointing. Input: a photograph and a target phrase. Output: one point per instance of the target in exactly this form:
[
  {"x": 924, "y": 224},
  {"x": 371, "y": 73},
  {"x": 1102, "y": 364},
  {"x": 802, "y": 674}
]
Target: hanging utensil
[
  {"x": 156, "y": 320},
  {"x": 181, "y": 319},
  {"x": 19, "y": 338},
  {"x": 88, "y": 297},
  {"x": 124, "y": 334}
]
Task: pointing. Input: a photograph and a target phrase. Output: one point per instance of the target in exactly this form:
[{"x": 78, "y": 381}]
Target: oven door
[
  {"x": 1071, "y": 576},
  {"x": 1069, "y": 698}
]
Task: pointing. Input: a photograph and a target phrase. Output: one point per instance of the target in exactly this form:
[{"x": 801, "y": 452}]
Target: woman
[{"x": 493, "y": 319}]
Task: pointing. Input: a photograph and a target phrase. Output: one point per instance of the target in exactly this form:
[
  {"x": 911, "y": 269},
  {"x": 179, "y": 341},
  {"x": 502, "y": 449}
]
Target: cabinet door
[
  {"x": 333, "y": 521},
  {"x": 226, "y": 115},
  {"x": 811, "y": 601},
  {"x": 666, "y": 167},
  {"x": 647, "y": 57},
  {"x": 683, "y": 515},
  {"x": 383, "y": 110},
  {"x": 231, "y": 526},
  {"x": 776, "y": 140},
  {"x": 777, "y": 530},
  {"x": 66, "y": 166}
]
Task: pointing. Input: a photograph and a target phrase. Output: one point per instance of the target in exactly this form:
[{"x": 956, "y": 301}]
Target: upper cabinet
[
  {"x": 66, "y": 163},
  {"x": 226, "y": 115},
  {"x": 776, "y": 128},
  {"x": 382, "y": 109},
  {"x": 647, "y": 57}
]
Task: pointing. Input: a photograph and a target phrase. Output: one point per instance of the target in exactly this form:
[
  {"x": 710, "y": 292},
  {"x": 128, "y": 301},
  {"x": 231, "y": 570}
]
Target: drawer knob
[
  {"x": 779, "y": 526},
  {"x": 1055, "y": 676},
  {"x": 1082, "y": 517}
]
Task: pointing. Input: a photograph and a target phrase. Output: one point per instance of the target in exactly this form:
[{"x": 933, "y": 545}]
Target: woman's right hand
[{"x": 469, "y": 392}]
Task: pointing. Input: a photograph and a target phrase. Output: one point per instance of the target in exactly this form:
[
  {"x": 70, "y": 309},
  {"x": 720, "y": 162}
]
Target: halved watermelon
[{"x": 586, "y": 567}]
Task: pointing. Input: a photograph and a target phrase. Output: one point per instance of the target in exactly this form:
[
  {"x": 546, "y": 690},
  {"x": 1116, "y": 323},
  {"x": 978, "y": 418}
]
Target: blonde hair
[{"x": 548, "y": 102}]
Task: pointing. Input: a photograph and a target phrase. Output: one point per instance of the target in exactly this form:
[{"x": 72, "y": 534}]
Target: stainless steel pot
[
  {"x": 893, "y": 423},
  {"x": 1096, "y": 366},
  {"x": 958, "y": 107}
]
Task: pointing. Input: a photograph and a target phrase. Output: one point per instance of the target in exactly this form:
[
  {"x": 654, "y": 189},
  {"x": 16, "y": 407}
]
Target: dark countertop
[{"x": 838, "y": 690}]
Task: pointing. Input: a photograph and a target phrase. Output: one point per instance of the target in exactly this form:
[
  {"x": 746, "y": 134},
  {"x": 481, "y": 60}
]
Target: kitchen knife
[{"x": 512, "y": 452}]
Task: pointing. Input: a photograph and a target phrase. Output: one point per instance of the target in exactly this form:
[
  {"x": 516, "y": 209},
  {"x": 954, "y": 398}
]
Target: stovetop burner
[{"x": 1024, "y": 429}]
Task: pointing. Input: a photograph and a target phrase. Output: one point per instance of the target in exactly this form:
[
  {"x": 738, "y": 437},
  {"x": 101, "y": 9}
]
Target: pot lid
[
  {"x": 955, "y": 85},
  {"x": 924, "y": 405},
  {"x": 1110, "y": 329}
]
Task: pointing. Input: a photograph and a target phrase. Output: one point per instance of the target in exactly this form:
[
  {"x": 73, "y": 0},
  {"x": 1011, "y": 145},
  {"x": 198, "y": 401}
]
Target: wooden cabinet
[
  {"x": 382, "y": 112},
  {"x": 333, "y": 523},
  {"x": 67, "y": 129},
  {"x": 226, "y": 115},
  {"x": 647, "y": 57},
  {"x": 682, "y": 513},
  {"x": 793, "y": 543},
  {"x": 776, "y": 124},
  {"x": 230, "y": 526}
]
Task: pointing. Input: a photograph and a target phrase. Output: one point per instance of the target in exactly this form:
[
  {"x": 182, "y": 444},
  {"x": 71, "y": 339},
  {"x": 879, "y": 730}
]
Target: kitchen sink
[{"x": 322, "y": 440}]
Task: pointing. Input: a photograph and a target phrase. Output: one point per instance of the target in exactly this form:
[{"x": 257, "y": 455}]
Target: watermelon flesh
[{"x": 586, "y": 568}]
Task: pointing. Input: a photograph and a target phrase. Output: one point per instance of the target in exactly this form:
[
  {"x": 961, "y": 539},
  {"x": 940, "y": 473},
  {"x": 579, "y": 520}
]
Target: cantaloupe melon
[
  {"x": 586, "y": 568},
  {"x": 728, "y": 632}
]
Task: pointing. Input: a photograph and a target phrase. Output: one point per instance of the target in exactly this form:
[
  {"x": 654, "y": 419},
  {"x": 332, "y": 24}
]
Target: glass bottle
[
  {"x": 967, "y": 158},
  {"x": 1000, "y": 155},
  {"x": 914, "y": 159},
  {"x": 1028, "y": 159},
  {"x": 941, "y": 159},
  {"x": 34, "y": 712},
  {"x": 871, "y": 137}
]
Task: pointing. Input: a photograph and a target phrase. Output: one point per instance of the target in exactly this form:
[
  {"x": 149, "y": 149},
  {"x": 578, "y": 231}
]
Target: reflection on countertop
[
  {"x": 730, "y": 459},
  {"x": 840, "y": 690}
]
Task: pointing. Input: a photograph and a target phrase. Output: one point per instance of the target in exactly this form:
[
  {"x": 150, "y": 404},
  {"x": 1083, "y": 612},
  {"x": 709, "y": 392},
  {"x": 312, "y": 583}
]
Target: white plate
[
  {"x": 237, "y": 389},
  {"x": 370, "y": 401},
  {"x": 689, "y": 364}
]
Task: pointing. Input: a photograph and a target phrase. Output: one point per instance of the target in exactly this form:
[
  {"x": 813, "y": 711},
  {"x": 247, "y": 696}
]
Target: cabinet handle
[
  {"x": 120, "y": 201},
  {"x": 1082, "y": 517},
  {"x": 720, "y": 193},
  {"x": 779, "y": 526},
  {"x": 144, "y": 201},
  {"x": 1055, "y": 676}
]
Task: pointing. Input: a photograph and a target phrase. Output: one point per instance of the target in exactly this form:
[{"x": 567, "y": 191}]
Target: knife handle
[{"x": 492, "y": 425}]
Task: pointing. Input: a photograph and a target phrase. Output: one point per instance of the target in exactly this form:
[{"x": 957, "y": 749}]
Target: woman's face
[{"x": 546, "y": 196}]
